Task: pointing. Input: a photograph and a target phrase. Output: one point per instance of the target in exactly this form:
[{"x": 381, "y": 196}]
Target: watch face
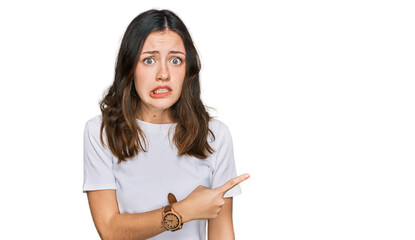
[{"x": 171, "y": 221}]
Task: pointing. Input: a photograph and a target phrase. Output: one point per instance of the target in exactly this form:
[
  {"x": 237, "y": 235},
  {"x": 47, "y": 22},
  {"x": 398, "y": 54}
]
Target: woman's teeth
[{"x": 161, "y": 90}]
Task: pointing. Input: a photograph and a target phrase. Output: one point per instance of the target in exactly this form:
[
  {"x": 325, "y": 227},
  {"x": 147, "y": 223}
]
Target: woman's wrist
[{"x": 180, "y": 208}]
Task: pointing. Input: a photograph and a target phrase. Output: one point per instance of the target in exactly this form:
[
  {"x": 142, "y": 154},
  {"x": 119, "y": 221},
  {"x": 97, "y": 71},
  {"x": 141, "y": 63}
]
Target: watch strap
[
  {"x": 172, "y": 199},
  {"x": 167, "y": 208}
]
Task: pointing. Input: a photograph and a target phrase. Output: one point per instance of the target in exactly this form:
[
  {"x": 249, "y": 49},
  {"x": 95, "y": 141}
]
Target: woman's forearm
[
  {"x": 133, "y": 226},
  {"x": 136, "y": 226}
]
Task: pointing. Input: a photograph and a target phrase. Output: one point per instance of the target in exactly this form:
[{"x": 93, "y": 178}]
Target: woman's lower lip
[{"x": 159, "y": 95}]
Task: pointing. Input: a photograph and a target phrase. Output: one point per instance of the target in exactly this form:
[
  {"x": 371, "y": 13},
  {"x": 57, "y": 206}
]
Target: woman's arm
[
  {"x": 221, "y": 228},
  {"x": 202, "y": 203},
  {"x": 113, "y": 225}
]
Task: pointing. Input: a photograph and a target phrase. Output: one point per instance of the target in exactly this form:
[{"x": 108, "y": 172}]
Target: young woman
[{"x": 156, "y": 165}]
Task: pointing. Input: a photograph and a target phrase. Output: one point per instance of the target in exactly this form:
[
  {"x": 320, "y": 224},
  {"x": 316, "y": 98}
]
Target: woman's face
[{"x": 160, "y": 71}]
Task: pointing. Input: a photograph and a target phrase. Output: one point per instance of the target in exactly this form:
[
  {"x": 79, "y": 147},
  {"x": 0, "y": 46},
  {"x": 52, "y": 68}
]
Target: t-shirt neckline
[{"x": 155, "y": 126}]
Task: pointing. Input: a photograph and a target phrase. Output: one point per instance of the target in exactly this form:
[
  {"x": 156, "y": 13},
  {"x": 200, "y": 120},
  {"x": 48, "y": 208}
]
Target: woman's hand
[{"x": 206, "y": 203}]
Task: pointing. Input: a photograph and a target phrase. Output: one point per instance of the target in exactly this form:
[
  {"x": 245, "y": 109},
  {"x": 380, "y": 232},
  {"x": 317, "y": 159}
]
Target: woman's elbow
[
  {"x": 106, "y": 230},
  {"x": 106, "y": 234}
]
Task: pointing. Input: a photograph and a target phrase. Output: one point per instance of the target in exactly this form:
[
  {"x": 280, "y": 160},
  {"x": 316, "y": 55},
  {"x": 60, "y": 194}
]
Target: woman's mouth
[{"x": 161, "y": 91}]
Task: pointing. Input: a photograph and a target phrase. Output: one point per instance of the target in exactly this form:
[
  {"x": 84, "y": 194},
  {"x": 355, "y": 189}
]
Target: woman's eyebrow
[
  {"x": 177, "y": 52},
  {"x": 156, "y": 52},
  {"x": 150, "y": 52}
]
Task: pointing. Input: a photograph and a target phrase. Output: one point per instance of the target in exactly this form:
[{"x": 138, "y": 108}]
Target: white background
[{"x": 319, "y": 97}]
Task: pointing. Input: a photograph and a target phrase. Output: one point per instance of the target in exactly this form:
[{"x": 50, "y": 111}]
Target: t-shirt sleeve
[
  {"x": 97, "y": 161},
  {"x": 225, "y": 168}
]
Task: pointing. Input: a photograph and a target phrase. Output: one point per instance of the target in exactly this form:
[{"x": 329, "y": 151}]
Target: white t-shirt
[{"x": 142, "y": 183}]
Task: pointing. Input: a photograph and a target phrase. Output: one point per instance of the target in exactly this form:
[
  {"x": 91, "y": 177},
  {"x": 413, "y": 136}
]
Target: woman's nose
[{"x": 163, "y": 73}]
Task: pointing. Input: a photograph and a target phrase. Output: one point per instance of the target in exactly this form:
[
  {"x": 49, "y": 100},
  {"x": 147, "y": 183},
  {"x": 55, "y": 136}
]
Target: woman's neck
[{"x": 157, "y": 117}]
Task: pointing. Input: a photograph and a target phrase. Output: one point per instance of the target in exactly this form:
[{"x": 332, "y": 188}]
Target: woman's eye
[
  {"x": 176, "y": 61},
  {"x": 149, "y": 61}
]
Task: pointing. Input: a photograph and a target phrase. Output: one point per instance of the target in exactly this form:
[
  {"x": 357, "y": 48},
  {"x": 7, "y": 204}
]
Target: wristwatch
[{"x": 172, "y": 220}]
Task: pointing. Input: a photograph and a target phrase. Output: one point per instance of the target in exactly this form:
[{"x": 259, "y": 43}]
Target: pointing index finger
[{"x": 232, "y": 183}]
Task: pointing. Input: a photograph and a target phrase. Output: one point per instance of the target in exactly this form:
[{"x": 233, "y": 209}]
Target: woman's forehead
[{"x": 163, "y": 41}]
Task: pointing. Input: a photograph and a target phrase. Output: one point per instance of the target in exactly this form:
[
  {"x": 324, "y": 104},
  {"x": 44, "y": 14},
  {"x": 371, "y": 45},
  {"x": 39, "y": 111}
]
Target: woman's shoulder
[
  {"x": 96, "y": 121},
  {"x": 218, "y": 127},
  {"x": 93, "y": 126}
]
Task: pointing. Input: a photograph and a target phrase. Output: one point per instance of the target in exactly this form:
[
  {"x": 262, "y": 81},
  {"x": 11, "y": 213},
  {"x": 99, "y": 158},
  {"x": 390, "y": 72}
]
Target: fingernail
[{"x": 246, "y": 175}]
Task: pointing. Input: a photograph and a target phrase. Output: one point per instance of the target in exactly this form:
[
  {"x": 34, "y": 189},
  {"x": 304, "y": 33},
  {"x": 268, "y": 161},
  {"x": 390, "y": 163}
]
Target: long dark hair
[{"x": 121, "y": 103}]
